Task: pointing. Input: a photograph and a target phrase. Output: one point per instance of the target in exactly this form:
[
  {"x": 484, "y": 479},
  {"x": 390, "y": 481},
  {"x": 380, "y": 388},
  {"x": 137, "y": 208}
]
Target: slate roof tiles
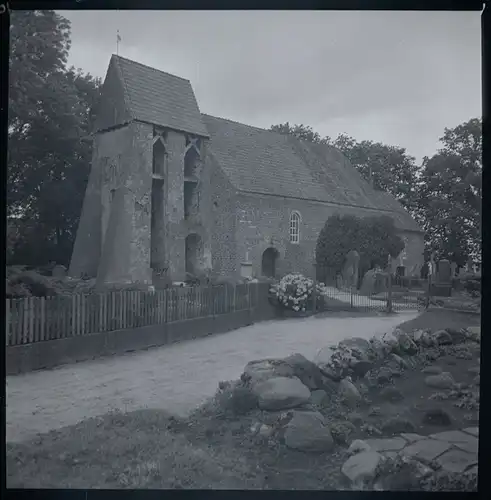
[{"x": 254, "y": 159}]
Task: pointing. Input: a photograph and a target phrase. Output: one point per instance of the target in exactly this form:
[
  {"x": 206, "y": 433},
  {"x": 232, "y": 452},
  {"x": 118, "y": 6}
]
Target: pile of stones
[{"x": 289, "y": 397}]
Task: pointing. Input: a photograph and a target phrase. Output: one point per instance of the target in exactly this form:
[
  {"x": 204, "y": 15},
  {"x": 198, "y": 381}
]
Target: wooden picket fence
[{"x": 36, "y": 319}]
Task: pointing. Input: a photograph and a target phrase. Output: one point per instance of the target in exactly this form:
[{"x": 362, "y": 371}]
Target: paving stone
[
  {"x": 361, "y": 467},
  {"x": 472, "y": 430},
  {"x": 411, "y": 437},
  {"x": 427, "y": 449},
  {"x": 457, "y": 461},
  {"x": 460, "y": 439},
  {"x": 389, "y": 444},
  {"x": 357, "y": 446}
]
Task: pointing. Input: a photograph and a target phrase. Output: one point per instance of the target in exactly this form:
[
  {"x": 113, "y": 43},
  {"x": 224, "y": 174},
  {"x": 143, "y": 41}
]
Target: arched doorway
[
  {"x": 194, "y": 253},
  {"x": 268, "y": 264}
]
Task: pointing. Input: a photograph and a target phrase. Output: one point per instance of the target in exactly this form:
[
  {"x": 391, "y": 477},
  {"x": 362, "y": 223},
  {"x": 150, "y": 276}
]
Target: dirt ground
[
  {"x": 175, "y": 378},
  {"x": 150, "y": 449}
]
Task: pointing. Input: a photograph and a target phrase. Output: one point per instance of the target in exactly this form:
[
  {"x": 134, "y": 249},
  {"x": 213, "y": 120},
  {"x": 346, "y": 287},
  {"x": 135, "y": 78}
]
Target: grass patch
[
  {"x": 133, "y": 450},
  {"x": 215, "y": 449},
  {"x": 438, "y": 319}
]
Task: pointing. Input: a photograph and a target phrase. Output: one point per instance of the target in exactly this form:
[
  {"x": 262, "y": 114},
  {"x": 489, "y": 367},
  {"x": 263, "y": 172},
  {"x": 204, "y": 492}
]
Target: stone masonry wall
[
  {"x": 223, "y": 200},
  {"x": 263, "y": 221},
  {"x": 87, "y": 248},
  {"x": 175, "y": 232},
  {"x": 126, "y": 252}
]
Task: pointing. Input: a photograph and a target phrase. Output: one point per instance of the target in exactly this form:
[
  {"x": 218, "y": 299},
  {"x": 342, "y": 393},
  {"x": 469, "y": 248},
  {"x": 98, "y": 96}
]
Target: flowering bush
[{"x": 294, "y": 292}]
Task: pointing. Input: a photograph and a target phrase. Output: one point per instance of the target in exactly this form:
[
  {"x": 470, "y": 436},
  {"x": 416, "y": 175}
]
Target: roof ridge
[
  {"x": 126, "y": 96},
  {"x": 149, "y": 67},
  {"x": 240, "y": 123}
]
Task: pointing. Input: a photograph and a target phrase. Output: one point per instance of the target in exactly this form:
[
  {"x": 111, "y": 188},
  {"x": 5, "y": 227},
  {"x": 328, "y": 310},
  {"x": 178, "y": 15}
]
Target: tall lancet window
[{"x": 295, "y": 227}]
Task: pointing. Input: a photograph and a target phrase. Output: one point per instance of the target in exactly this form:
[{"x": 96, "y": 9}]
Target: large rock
[
  {"x": 357, "y": 344},
  {"x": 391, "y": 340},
  {"x": 379, "y": 349},
  {"x": 334, "y": 361},
  {"x": 319, "y": 398},
  {"x": 442, "y": 337},
  {"x": 349, "y": 393},
  {"x": 401, "y": 363},
  {"x": 307, "y": 431},
  {"x": 397, "y": 425},
  {"x": 341, "y": 431},
  {"x": 437, "y": 416},
  {"x": 442, "y": 381},
  {"x": 263, "y": 369},
  {"x": 281, "y": 393},
  {"x": 350, "y": 357},
  {"x": 406, "y": 345},
  {"x": 294, "y": 365},
  {"x": 458, "y": 336},
  {"x": 362, "y": 467},
  {"x": 473, "y": 333},
  {"x": 304, "y": 369}
]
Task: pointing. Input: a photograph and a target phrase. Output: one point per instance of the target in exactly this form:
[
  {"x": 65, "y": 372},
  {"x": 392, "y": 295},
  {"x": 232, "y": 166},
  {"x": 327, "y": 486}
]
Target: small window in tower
[{"x": 295, "y": 227}]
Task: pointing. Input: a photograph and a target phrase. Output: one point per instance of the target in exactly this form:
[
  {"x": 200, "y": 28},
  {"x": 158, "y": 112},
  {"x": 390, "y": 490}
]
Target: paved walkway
[
  {"x": 176, "y": 378},
  {"x": 453, "y": 451}
]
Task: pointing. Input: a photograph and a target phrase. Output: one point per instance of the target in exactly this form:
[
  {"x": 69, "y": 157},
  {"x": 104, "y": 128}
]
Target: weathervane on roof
[{"x": 118, "y": 39}]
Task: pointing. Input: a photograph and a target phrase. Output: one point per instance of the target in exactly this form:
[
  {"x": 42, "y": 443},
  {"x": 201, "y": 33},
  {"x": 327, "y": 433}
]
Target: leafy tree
[
  {"x": 302, "y": 132},
  {"x": 374, "y": 238},
  {"x": 48, "y": 162},
  {"x": 450, "y": 194},
  {"x": 387, "y": 168}
]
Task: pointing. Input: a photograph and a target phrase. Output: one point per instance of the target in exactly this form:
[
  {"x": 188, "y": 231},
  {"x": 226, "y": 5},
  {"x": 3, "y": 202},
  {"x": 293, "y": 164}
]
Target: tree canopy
[
  {"x": 48, "y": 160},
  {"x": 443, "y": 193},
  {"x": 374, "y": 238}
]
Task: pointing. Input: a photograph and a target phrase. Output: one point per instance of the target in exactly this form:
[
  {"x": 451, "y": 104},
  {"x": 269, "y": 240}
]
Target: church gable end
[{"x": 111, "y": 109}]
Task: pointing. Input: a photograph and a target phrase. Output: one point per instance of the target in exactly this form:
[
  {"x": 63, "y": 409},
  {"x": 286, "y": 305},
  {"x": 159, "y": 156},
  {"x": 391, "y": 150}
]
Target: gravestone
[
  {"x": 444, "y": 272},
  {"x": 453, "y": 269},
  {"x": 59, "y": 271},
  {"x": 441, "y": 280},
  {"x": 374, "y": 281},
  {"x": 351, "y": 269}
]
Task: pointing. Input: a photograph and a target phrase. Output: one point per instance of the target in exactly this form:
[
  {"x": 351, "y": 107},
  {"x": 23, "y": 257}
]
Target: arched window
[{"x": 295, "y": 227}]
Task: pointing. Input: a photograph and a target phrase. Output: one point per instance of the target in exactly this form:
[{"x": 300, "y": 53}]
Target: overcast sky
[{"x": 395, "y": 77}]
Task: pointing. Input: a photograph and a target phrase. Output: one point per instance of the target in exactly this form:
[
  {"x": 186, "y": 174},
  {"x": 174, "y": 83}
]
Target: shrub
[
  {"x": 294, "y": 292},
  {"x": 374, "y": 238}
]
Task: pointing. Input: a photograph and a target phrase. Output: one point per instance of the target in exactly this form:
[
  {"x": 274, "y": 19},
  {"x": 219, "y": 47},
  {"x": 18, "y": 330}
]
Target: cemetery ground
[{"x": 230, "y": 443}]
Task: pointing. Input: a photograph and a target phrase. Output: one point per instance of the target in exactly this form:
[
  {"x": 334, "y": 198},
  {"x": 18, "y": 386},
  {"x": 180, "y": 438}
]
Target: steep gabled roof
[
  {"x": 265, "y": 162},
  {"x": 159, "y": 98}
]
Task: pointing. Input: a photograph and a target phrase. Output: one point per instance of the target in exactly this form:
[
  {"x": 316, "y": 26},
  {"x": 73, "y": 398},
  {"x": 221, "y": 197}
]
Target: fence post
[
  {"x": 7, "y": 321},
  {"x": 428, "y": 293},
  {"x": 314, "y": 291},
  {"x": 389, "y": 293}
]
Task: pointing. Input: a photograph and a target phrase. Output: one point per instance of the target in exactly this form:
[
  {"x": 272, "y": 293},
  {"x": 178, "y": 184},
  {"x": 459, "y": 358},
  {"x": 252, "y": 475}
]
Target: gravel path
[{"x": 176, "y": 378}]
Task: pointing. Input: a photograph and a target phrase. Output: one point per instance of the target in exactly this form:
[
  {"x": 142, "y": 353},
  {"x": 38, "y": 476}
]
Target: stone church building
[{"x": 173, "y": 191}]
